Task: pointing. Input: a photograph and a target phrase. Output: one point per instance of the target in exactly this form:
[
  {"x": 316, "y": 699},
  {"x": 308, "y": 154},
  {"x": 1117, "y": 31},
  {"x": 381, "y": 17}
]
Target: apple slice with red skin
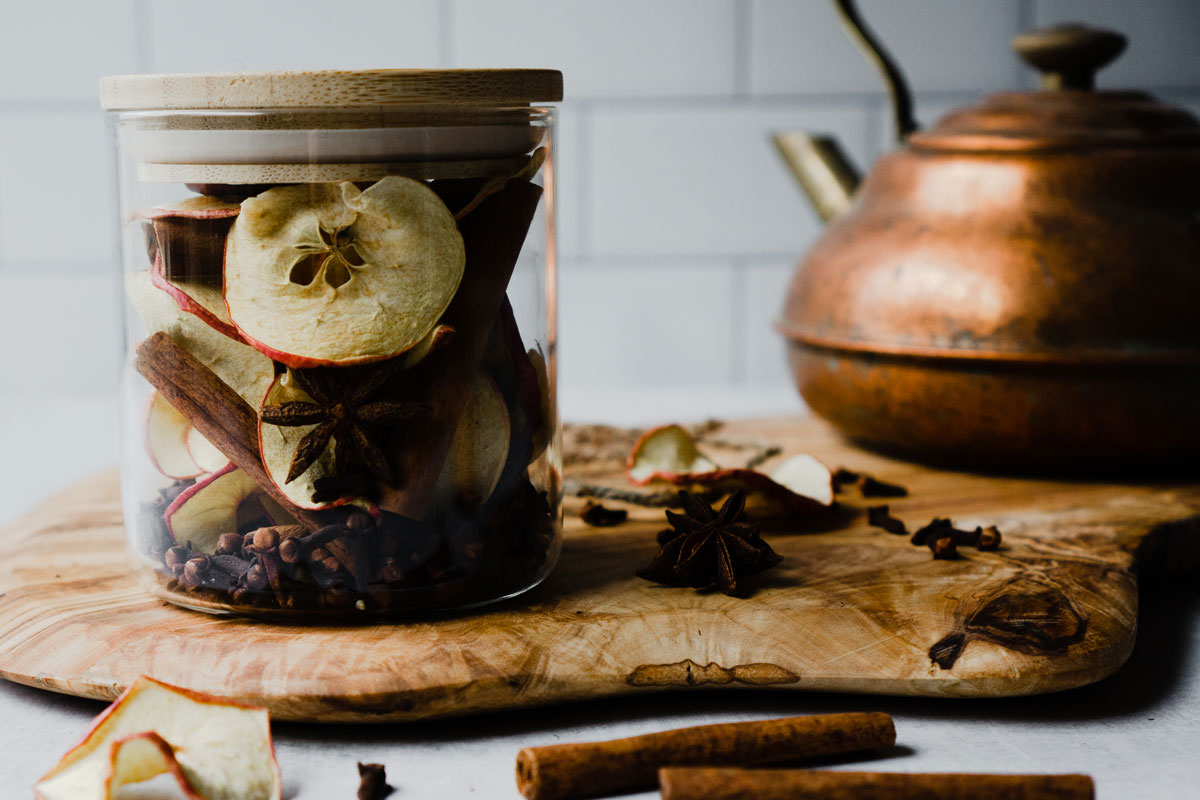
[
  {"x": 669, "y": 454},
  {"x": 205, "y": 302},
  {"x": 205, "y": 453},
  {"x": 329, "y": 274},
  {"x": 176, "y": 448},
  {"x": 167, "y": 440},
  {"x": 215, "y": 749},
  {"x": 209, "y": 508},
  {"x": 664, "y": 454},
  {"x": 244, "y": 369}
]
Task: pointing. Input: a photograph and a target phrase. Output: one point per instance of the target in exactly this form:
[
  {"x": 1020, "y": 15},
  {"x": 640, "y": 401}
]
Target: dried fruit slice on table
[
  {"x": 326, "y": 274},
  {"x": 669, "y": 454},
  {"x": 214, "y": 748},
  {"x": 664, "y": 453},
  {"x": 210, "y": 507},
  {"x": 247, "y": 371}
]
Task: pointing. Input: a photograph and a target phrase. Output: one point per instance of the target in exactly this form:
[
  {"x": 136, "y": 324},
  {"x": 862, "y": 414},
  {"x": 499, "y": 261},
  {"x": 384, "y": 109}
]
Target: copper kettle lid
[{"x": 1067, "y": 113}]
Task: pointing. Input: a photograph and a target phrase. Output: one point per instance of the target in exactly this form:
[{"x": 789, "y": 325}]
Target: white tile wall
[
  {"x": 679, "y": 226},
  {"x": 222, "y": 35},
  {"x": 704, "y": 179},
  {"x": 615, "y": 48}
]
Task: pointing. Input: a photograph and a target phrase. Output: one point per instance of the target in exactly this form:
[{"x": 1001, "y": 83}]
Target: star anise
[
  {"x": 344, "y": 409},
  {"x": 708, "y": 548}
]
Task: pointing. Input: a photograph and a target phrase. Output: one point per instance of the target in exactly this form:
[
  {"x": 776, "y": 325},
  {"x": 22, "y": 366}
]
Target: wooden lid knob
[{"x": 1068, "y": 56}]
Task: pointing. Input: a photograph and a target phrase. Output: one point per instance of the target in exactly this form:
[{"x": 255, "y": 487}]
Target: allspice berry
[
  {"x": 265, "y": 539},
  {"x": 229, "y": 544}
]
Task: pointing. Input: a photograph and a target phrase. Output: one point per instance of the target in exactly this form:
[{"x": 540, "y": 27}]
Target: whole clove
[
  {"x": 598, "y": 516},
  {"x": 881, "y": 517},
  {"x": 373, "y": 783}
]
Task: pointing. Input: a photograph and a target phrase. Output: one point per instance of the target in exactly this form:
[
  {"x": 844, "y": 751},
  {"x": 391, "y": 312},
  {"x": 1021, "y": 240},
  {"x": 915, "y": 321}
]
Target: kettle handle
[{"x": 872, "y": 50}]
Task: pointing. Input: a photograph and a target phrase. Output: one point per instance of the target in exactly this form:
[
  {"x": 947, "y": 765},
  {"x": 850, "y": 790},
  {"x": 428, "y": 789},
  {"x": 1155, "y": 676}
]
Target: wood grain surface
[{"x": 851, "y": 608}]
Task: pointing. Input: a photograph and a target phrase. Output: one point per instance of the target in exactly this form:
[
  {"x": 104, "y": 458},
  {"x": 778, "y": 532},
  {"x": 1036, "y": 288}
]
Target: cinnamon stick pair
[{"x": 596, "y": 769}]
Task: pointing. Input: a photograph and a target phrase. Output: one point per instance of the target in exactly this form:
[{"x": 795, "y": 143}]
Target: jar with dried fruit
[{"x": 338, "y": 396}]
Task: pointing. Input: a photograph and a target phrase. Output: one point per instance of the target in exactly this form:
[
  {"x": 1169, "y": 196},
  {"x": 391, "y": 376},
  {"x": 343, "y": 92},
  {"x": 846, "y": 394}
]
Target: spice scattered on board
[
  {"x": 940, "y": 535},
  {"x": 599, "y": 516},
  {"x": 704, "y": 548},
  {"x": 867, "y": 485}
]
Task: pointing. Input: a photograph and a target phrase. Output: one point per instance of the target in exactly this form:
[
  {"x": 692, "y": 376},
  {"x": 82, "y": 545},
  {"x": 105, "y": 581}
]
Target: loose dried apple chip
[
  {"x": 326, "y": 274},
  {"x": 663, "y": 454},
  {"x": 215, "y": 749},
  {"x": 247, "y": 371},
  {"x": 669, "y": 454}
]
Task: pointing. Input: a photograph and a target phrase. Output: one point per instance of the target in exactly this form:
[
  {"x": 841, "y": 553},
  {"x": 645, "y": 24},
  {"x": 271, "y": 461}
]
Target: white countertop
[{"x": 1137, "y": 733}]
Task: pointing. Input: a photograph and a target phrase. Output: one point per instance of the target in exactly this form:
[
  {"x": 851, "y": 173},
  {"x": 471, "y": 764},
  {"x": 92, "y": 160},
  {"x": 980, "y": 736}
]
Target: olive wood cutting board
[{"x": 851, "y": 608}]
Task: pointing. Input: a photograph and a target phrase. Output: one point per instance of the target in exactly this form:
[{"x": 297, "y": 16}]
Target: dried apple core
[{"x": 328, "y": 274}]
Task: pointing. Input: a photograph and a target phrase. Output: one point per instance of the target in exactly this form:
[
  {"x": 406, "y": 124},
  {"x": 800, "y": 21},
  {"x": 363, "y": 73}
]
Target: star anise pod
[
  {"x": 344, "y": 409},
  {"x": 709, "y": 548}
]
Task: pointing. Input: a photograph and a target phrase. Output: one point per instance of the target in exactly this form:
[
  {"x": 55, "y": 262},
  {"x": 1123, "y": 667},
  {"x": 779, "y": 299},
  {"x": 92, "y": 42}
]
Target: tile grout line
[
  {"x": 446, "y": 33},
  {"x": 584, "y": 160},
  {"x": 143, "y": 29},
  {"x": 742, "y": 41},
  {"x": 738, "y": 338}
]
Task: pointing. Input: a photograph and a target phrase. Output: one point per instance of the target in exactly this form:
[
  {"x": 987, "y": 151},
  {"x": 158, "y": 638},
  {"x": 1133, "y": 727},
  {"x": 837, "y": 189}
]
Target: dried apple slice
[
  {"x": 214, "y": 748},
  {"x": 209, "y": 507},
  {"x": 327, "y": 274},
  {"x": 167, "y": 440},
  {"x": 669, "y": 455},
  {"x": 800, "y": 484},
  {"x": 205, "y": 453},
  {"x": 479, "y": 449},
  {"x": 541, "y": 434},
  {"x": 204, "y": 301},
  {"x": 665, "y": 453},
  {"x": 247, "y": 371}
]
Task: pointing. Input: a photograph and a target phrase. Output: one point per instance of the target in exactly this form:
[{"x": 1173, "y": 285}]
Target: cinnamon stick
[
  {"x": 708, "y": 783},
  {"x": 596, "y": 769},
  {"x": 216, "y": 410},
  {"x": 493, "y": 235}
]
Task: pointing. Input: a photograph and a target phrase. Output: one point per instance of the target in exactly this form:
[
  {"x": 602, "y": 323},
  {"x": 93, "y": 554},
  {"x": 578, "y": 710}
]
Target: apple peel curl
[
  {"x": 215, "y": 749},
  {"x": 328, "y": 274},
  {"x": 669, "y": 454}
]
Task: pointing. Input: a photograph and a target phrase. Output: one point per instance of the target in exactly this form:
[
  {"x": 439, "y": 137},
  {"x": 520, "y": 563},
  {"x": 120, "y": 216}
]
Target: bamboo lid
[{"x": 330, "y": 89}]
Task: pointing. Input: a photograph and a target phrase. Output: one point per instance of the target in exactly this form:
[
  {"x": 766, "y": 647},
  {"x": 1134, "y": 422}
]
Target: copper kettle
[{"x": 1016, "y": 287}]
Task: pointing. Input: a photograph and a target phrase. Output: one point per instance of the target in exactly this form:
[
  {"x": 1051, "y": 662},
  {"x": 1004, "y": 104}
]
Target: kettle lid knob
[{"x": 1068, "y": 56}]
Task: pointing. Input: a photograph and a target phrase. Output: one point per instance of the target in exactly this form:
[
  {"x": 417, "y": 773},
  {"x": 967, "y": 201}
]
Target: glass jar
[{"x": 338, "y": 392}]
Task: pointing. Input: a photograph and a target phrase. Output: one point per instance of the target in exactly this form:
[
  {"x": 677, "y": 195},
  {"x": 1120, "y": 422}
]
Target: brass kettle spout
[
  {"x": 824, "y": 172},
  {"x": 822, "y": 168}
]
